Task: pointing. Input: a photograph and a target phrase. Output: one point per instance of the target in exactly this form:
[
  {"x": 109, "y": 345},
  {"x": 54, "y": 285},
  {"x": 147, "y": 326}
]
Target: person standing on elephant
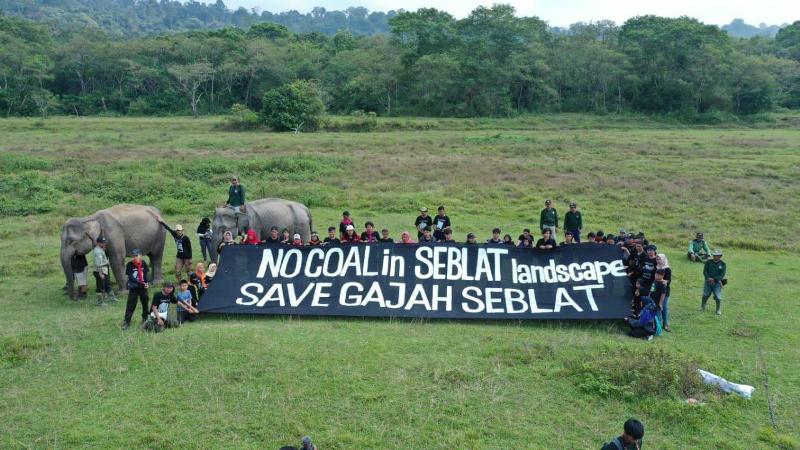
[
  {"x": 137, "y": 275},
  {"x": 205, "y": 233},
  {"x": 236, "y": 197},
  {"x": 183, "y": 258},
  {"x": 79, "y": 270},
  {"x": 102, "y": 273}
]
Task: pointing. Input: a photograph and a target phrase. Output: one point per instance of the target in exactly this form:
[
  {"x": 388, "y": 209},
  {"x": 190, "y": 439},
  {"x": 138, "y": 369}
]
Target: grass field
[{"x": 70, "y": 378}]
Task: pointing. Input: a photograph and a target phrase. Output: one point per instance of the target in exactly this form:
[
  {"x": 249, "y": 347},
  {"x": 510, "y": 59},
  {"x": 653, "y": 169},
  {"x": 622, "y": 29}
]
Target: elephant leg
[
  {"x": 118, "y": 267},
  {"x": 156, "y": 263}
]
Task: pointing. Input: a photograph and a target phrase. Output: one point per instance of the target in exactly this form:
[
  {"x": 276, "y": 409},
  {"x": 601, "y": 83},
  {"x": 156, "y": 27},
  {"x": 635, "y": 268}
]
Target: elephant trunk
[{"x": 66, "y": 264}]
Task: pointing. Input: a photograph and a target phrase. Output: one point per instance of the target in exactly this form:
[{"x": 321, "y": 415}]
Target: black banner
[{"x": 584, "y": 281}]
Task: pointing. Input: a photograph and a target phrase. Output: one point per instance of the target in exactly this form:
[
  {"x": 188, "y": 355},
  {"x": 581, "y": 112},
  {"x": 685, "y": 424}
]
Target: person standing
[
  {"x": 138, "y": 281},
  {"x": 423, "y": 221},
  {"x": 227, "y": 239},
  {"x": 102, "y": 273},
  {"x": 496, "y": 239},
  {"x": 346, "y": 220},
  {"x": 698, "y": 249},
  {"x": 631, "y": 438},
  {"x": 274, "y": 237},
  {"x": 369, "y": 235},
  {"x": 314, "y": 241},
  {"x": 331, "y": 239},
  {"x": 714, "y": 273},
  {"x": 385, "y": 237},
  {"x": 548, "y": 218},
  {"x": 236, "y": 198},
  {"x": 441, "y": 221},
  {"x": 573, "y": 222},
  {"x": 183, "y": 258},
  {"x": 662, "y": 263},
  {"x": 569, "y": 238},
  {"x": 546, "y": 242},
  {"x": 79, "y": 266},
  {"x": 204, "y": 234}
]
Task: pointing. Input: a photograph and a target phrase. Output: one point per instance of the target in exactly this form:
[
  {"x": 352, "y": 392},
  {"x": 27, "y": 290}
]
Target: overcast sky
[{"x": 565, "y": 12}]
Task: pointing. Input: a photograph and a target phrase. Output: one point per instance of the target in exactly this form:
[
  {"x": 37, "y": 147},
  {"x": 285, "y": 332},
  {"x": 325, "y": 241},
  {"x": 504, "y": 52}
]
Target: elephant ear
[{"x": 92, "y": 229}]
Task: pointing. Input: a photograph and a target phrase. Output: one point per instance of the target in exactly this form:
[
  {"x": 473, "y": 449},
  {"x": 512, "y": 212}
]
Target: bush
[
  {"x": 294, "y": 106},
  {"x": 622, "y": 372},
  {"x": 241, "y": 118},
  {"x": 358, "y": 122}
]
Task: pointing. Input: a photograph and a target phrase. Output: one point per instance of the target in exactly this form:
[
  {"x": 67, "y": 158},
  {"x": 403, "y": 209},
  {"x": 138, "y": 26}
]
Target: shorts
[{"x": 80, "y": 277}]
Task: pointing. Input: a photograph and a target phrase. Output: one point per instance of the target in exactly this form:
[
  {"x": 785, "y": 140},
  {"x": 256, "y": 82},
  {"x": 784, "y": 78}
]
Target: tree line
[{"x": 491, "y": 63}]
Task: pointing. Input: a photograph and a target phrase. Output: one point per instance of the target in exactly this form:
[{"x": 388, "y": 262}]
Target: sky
[{"x": 565, "y": 12}]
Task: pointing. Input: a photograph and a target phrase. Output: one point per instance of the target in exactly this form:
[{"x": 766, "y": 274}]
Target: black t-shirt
[
  {"x": 369, "y": 238},
  {"x": 269, "y": 240},
  {"x": 668, "y": 278},
  {"x": 427, "y": 220},
  {"x": 542, "y": 242},
  {"x": 439, "y": 224},
  {"x": 330, "y": 241},
  {"x": 647, "y": 269},
  {"x": 657, "y": 290},
  {"x": 387, "y": 240},
  {"x": 493, "y": 241},
  {"x": 161, "y": 301},
  {"x": 78, "y": 262}
]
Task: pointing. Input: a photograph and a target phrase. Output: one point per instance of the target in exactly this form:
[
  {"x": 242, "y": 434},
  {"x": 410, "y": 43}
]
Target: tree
[
  {"x": 189, "y": 78},
  {"x": 295, "y": 106},
  {"x": 788, "y": 41}
]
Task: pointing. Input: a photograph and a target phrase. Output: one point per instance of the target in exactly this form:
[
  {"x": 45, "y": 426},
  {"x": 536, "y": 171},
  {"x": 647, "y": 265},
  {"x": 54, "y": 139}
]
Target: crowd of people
[{"x": 648, "y": 271}]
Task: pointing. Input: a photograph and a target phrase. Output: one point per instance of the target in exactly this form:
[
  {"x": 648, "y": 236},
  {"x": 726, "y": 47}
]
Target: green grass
[{"x": 70, "y": 378}]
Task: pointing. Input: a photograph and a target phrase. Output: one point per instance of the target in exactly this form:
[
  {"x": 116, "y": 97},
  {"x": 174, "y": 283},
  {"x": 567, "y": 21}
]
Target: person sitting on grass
[
  {"x": 405, "y": 238},
  {"x": 200, "y": 275},
  {"x": 525, "y": 242},
  {"x": 307, "y": 444},
  {"x": 187, "y": 302},
  {"x": 297, "y": 241},
  {"x": 251, "y": 238},
  {"x": 448, "y": 236},
  {"x": 314, "y": 241},
  {"x": 471, "y": 239},
  {"x": 286, "y": 237},
  {"x": 495, "y": 237},
  {"x": 526, "y": 233},
  {"x": 546, "y": 242},
  {"x": 385, "y": 236},
  {"x": 350, "y": 235},
  {"x": 369, "y": 234},
  {"x": 331, "y": 239},
  {"x": 212, "y": 271},
  {"x": 160, "y": 315},
  {"x": 274, "y": 237},
  {"x": 631, "y": 438},
  {"x": 698, "y": 249},
  {"x": 427, "y": 237},
  {"x": 569, "y": 238},
  {"x": 346, "y": 220},
  {"x": 644, "y": 326},
  {"x": 507, "y": 240}
]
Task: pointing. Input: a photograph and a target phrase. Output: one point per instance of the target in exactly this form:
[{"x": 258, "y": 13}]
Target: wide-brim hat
[{"x": 716, "y": 252}]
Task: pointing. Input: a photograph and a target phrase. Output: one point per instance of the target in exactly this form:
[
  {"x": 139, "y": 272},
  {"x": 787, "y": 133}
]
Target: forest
[{"x": 490, "y": 63}]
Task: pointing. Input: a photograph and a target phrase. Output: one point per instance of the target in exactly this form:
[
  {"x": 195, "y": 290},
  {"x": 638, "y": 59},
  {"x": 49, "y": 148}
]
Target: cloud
[{"x": 565, "y": 12}]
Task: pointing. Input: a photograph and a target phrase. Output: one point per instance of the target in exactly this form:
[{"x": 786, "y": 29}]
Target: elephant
[
  {"x": 126, "y": 227},
  {"x": 260, "y": 215}
]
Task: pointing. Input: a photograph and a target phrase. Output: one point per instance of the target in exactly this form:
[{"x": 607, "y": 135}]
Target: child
[
  {"x": 186, "y": 302},
  {"x": 331, "y": 239}
]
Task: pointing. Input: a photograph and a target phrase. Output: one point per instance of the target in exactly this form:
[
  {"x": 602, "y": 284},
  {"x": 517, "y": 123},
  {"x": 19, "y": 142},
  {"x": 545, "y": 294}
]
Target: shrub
[
  {"x": 294, "y": 106},
  {"x": 242, "y": 118},
  {"x": 358, "y": 122}
]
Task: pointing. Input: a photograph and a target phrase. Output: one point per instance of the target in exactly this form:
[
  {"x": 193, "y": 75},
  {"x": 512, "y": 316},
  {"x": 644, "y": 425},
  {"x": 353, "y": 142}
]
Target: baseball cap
[
  {"x": 699, "y": 235},
  {"x": 470, "y": 235},
  {"x": 716, "y": 252},
  {"x": 136, "y": 252},
  {"x": 350, "y": 227},
  {"x": 573, "y": 205},
  {"x": 101, "y": 240},
  {"x": 296, "y": 236},
  {"x": 547, "y": 202}
]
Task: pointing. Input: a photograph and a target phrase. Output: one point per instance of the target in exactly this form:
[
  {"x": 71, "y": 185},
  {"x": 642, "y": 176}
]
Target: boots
[
  {"x": 703, "y": 304},
  {"x": 719, "y": 307},
  {"x": 82, "y": 292}
]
